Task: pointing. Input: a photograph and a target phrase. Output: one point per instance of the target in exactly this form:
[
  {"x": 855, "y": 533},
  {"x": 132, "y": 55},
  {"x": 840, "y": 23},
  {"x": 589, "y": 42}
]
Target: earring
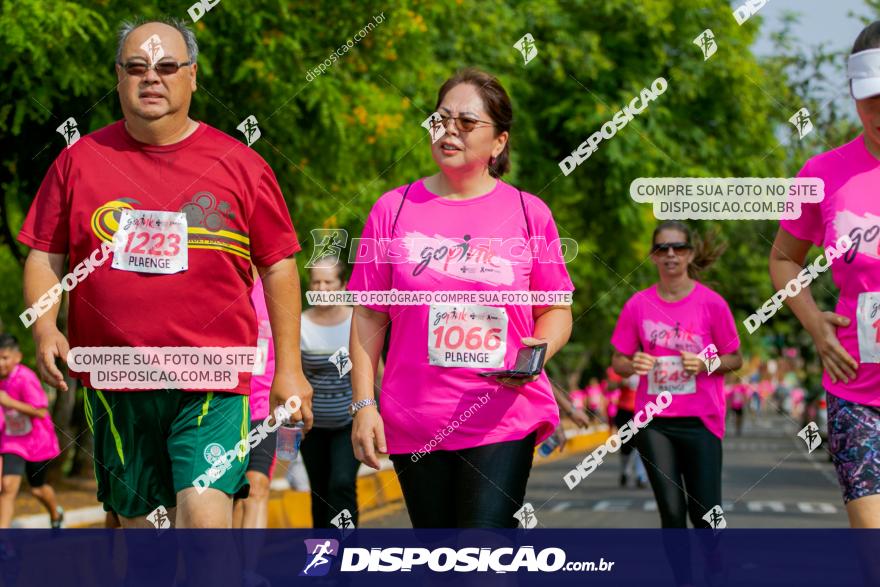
[{"x": 491, "y": 160}]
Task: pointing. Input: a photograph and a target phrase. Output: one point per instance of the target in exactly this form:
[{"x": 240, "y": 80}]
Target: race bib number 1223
[
  {"x": 150, "y": 241},
  {"x": 467, "y": 336}
]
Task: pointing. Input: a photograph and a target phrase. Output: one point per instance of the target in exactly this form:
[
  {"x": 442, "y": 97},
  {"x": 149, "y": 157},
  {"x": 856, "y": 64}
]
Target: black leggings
[
  {"x": 683, "y": 460},
  {"x": 479, "y": 487},
  {"x": 332, "y": 468}
]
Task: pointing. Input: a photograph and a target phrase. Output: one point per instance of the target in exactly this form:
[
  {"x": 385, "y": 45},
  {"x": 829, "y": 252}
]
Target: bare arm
[
  {"x": 693, "y": 364},
  {"x": 553, "y": 325},
  {"x": 367, "y": 337},
  {"x": 638, "y": 363},
  {"x": 282, "y": 291},
  {"x": 43, "y": 271},
  {"x": 23, "y": 407},
  {"x": 786, "y": 260},
  {"x": 565, "y": 405}
]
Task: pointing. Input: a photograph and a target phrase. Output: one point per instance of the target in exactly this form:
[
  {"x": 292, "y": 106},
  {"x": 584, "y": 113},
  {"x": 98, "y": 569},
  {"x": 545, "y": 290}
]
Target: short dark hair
[
  {"x": 497, "y": 105},
  {"x": 340, "y": 264},
  {"x": 869, "y": 38},
  {"x": 8, "y": 341},
  {"x": 189, "y": 37}
]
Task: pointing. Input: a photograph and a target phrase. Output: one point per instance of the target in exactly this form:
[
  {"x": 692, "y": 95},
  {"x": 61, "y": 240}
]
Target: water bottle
[
  {"x": 549, "y": 446},
  {"x": 288, "y": 441}
]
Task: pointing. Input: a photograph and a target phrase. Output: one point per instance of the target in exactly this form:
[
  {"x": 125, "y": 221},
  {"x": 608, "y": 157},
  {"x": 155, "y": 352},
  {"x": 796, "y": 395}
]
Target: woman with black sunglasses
[{"x": 659, "y": 336}]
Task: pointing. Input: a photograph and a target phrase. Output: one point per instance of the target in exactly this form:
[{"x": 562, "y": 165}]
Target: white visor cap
[{"x": 863, "y": 72}]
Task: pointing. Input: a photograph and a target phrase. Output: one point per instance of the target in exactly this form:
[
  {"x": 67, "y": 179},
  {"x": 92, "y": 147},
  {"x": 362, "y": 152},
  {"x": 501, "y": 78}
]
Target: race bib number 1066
[{"x": 467, "y": 336}]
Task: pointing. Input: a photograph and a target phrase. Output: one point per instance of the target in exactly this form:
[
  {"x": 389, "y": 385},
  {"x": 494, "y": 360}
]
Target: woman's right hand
[
  {"x": 643, "y": 363},
  {"x": 368, "y": 436},
  {"x": 839, "y": 363}
]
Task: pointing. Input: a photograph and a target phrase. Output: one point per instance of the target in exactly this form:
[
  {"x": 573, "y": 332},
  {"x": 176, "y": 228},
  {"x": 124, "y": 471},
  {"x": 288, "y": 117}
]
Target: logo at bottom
[{"x": 320, "y": 553}]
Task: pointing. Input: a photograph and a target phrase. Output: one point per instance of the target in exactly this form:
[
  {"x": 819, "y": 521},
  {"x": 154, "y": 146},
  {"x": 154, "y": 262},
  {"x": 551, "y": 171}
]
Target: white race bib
[
  {"x": 668, "y": 374},
  {"x": 149, "y": 241},
  {"x": 868, "y": 315},
  {"x": 17, "y": 424},
  {"x": 467, "y": 336}
]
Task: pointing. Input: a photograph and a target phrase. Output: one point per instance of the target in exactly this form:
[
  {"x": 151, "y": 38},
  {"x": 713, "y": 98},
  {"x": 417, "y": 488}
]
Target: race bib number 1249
[
  {"x": 467, "y": 336},
  {"x": 669, "y": 375}
]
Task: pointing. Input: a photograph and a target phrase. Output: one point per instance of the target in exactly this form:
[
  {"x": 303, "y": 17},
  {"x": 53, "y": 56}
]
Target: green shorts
[{"x": 152, "y": 444}]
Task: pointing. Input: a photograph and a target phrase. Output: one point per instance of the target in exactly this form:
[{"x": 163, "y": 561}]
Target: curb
[{"x": 293, "y": 509}]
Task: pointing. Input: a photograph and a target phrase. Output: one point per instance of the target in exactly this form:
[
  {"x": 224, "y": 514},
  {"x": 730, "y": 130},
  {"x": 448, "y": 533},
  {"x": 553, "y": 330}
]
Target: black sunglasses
[
  {"x": 665, "y": 247},
  {"x": 139, "y": 68}
]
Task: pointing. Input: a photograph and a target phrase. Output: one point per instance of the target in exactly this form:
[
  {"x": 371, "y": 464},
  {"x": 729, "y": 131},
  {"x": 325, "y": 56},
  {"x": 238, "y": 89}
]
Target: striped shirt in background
[{"x": 332, "y": 393}]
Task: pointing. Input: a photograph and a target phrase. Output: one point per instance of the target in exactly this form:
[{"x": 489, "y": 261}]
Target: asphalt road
[{"x": 769, "y": 481}]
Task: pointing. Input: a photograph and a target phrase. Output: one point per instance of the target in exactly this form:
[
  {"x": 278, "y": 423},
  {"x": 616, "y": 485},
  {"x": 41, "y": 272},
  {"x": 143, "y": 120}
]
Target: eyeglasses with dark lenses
[
  {"x": 679, "y": 248},
  {"x": 462, "y": 123},
  {"x": 139, "y": 68}
]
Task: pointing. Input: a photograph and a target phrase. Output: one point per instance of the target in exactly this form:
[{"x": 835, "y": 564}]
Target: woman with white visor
[{"x": 847, "y": 339}]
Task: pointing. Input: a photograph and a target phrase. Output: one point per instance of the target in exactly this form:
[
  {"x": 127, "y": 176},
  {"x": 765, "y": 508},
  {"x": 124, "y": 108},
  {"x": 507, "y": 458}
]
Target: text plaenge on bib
[
  {"x": 467, "y": 336},
  {"x": 150, "y": 241}
]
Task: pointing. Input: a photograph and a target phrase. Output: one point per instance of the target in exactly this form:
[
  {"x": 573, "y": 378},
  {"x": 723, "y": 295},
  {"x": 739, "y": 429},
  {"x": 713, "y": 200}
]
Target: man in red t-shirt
[{"x": 198, "y": 207}]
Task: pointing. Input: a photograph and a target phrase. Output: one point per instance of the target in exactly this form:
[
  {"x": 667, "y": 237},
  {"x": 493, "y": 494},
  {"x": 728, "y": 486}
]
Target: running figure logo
[
  {"x": 801, "y": 121},
  {"x": 319, "y": 556},
  {"x": 69, "y": 131},
  {"x": 526, "y": 516},
  {"x": 329, "y": 244},
  {"x": 159, "y": 518},
  {"x": 434, "y": 125},
  {"x": 343, "y": 520},
  {"x": 715, "y": 518},
  {"x": 153, "y": 48},
  {"x": 810, "y": 434},
  {"x": 526, "y": 46},
  {"x": 342, "y": 361},
  {"x": 249, "y": 129},
  {"x": 706, "y": 42},
  {"x": 709, "y": 356}
]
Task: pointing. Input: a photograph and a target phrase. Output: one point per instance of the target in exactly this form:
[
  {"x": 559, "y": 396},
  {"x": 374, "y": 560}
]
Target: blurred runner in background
[
  {"x": 327, "y": 450},
  {"x": 27, "y": 441},
  {"x": 626, "y": 405}
]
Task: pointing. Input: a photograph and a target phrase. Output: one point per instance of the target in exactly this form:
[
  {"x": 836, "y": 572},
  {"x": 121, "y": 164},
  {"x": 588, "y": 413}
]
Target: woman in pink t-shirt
[
  {"x": 658, "y": 336},
  {"x": 253, "y": 511},
  {"x": 461, "y": 444},
  {"x": 846, "y": 339}
]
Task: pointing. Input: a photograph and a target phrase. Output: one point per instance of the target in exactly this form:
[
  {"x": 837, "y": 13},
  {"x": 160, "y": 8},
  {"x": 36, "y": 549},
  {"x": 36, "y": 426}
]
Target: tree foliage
[{"x": 337, "y": 142}]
